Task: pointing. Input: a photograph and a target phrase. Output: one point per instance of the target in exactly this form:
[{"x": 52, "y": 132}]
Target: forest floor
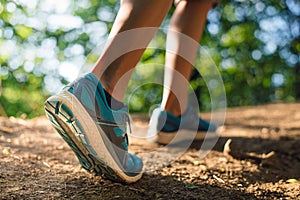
[{"x": 256, "y": 157}]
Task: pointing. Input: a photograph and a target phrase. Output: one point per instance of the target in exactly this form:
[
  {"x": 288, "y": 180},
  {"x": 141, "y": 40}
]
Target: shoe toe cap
[{"x": 134, "y": 164}]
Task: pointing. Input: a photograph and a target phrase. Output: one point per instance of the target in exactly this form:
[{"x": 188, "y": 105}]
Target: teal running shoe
[
  {"x": 96, "y": 133},
  {"x": 164, "y": 126}
]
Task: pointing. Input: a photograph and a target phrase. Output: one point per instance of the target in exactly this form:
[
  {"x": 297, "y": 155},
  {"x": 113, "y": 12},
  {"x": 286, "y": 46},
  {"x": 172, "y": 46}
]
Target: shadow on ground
[{"x": 255, "y": 158}]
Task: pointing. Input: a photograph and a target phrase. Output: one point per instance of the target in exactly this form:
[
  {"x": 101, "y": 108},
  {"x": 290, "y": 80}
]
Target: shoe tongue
[
  {"x": 190, "y": 112},
  {"x": 190, "y": 119}
]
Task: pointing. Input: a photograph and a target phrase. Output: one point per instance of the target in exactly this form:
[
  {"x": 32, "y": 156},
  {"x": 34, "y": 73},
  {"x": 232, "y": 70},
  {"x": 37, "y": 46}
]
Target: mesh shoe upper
[
  {"x": 190, "y": 120},
  {"x": 113, "y": 123}
]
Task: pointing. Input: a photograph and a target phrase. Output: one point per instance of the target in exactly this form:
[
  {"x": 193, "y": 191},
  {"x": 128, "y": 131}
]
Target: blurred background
[{"x": 45, "y": 43}]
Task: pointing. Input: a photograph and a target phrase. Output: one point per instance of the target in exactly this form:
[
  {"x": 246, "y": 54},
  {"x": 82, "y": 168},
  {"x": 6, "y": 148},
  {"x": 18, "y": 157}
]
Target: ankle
[
  {"x": 174, "y": 110},
  {"x": 113, "y": 103}
]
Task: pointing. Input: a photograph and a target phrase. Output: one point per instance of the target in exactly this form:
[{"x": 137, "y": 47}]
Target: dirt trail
[{"x": 262, "y": 161}]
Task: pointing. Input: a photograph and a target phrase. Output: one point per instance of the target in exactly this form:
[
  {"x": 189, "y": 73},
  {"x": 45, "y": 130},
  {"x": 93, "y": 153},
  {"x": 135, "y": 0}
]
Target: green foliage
[
  {"x": 22, "y": 97},
  {"x": 253, "y": 52},
  {"x": 255, "y": 45}
]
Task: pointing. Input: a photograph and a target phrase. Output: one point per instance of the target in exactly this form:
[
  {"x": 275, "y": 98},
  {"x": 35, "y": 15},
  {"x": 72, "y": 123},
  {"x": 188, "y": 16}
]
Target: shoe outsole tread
[{"x": 70, "y": 129}]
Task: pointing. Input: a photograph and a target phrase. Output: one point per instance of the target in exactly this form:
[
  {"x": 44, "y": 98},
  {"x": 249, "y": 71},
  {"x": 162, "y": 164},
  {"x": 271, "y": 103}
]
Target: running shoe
[
  {"x": 164, "y": 126},
  {"x": 97, "y": 134}
]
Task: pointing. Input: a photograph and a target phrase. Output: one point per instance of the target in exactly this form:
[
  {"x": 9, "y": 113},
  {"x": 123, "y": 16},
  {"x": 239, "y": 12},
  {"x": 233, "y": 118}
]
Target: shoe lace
[
  {"x": 128, "y": 130},
  {"x": 125, "y": 124},
  {"x": 128, "y": 124}
]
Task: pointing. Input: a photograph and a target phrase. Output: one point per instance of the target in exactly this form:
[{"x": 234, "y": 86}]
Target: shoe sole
[
  {"x": 185, "y": 135},
  {"x": 78, "y": 130}
]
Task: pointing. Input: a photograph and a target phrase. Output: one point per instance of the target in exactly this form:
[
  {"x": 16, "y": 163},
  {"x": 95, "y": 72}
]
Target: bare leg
[
  {"x": 112, "y": 65},
  {"x": 189, "y": 18}
]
